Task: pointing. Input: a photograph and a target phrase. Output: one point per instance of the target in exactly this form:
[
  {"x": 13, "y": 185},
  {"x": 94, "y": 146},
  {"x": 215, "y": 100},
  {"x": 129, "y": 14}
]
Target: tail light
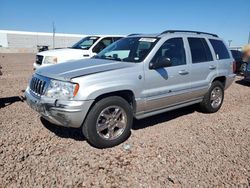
[{"x": 234, "y": 67}]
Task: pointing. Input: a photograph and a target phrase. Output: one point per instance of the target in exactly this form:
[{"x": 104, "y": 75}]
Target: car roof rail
[
  {"x": 133, "y": 34},
  {"x": 186, "y": 31}
]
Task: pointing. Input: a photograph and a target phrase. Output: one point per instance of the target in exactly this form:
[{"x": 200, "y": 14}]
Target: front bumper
[
  {"x": 63, "y": 113},
  {"x": 229, "y": 80}
]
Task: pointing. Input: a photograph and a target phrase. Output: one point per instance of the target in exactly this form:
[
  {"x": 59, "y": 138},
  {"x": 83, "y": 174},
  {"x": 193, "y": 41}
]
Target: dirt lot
[{"x": 179, "y": 148}]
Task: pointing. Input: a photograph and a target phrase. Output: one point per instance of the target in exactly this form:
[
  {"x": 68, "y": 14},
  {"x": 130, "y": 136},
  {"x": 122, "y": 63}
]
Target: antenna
[{"x": 54, "y": 31}]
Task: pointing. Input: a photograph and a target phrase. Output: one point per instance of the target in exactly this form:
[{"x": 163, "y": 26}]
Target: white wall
[{"x": 3, "y": 40}]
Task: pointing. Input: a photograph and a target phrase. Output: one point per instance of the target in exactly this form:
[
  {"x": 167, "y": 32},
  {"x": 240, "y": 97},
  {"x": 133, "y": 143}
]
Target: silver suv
[{"x": 135, "y": 77}]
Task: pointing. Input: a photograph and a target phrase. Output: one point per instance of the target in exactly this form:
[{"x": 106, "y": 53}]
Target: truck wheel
[
  {"x": 213, "y": 99},
  {"x": 108, "y": 123}
]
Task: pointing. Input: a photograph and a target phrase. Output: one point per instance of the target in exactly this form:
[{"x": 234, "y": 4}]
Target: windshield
[
  {"x": 85, "y": 43},
  {"x": 133, "y": 49}
]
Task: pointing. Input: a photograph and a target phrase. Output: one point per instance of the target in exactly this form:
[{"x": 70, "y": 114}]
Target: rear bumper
[
  {"x": 229, "y": 80},
  {"x": 63, "y": 113}
]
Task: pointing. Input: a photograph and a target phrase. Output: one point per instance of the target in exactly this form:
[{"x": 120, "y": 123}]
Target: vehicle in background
[
  {"x": 240, "y": 65},
  {"x": 247, "y": 73},
  {"x": 41, "y": 48},
  {"x": 136, "y": 77},
  {"x": 85, "y": 48}
]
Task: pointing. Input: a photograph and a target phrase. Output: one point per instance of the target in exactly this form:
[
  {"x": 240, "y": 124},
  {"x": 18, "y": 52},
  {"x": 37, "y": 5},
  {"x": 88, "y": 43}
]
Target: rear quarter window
[{"x": 220, "y": 49}]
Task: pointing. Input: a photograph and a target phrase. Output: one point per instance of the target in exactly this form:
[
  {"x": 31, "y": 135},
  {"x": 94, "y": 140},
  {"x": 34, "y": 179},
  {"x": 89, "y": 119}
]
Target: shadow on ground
[
  {"x": 164, "y": 117},
  {"x": 76, "y": 134},
  {"x": 243, "y": 82},
  {"x": 10, "y": 100},
  {"x": 63, "y": 132}
]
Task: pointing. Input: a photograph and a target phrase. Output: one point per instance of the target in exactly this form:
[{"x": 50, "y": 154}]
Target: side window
[
  {"x": 102, "y": 44},
  {"x": 200, "y": 51},
  {"x": 172, "y": 49},
  {"x": 220, "y": 49}
]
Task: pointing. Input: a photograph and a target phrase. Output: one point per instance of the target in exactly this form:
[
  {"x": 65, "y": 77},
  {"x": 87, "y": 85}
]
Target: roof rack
[{"x": 185, "y": 31}]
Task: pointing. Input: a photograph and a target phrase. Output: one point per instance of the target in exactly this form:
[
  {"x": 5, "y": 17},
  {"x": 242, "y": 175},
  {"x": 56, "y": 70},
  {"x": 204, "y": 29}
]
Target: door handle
[
  {"x": 183, "y": 72},
  {"x": 212, "y": 67}
]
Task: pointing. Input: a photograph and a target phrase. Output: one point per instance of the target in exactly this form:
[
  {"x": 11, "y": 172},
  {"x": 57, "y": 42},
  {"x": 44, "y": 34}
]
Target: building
[{"x": 23, "y": 41}]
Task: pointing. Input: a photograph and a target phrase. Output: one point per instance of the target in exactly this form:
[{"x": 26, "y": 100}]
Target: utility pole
[
  {"x": 249, "y": 38},
  {"x": 54, "y": 31},
  {"x": 229, "y": 42}
]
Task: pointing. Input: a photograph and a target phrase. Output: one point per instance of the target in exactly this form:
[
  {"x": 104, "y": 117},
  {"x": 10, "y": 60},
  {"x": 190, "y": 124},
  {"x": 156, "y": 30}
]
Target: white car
[{"x": 85, "y": 48}]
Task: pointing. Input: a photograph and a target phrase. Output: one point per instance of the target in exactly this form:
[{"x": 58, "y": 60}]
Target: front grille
[
  {"x": 39, "y": 59},
  {"x": 37, "y": 86}
]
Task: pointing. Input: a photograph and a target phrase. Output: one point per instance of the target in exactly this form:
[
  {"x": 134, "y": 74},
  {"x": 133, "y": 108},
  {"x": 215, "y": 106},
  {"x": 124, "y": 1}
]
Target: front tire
[
  {"x": 213, "y": 99},
  {"x": 109, "y": 122}
]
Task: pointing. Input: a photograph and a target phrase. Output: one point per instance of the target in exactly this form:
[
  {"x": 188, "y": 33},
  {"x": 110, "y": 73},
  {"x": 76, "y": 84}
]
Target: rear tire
[
  {"x": 108, "y": 123},
  {"x": 213, "y": 99},
  {"x": 243, "y": 68}
]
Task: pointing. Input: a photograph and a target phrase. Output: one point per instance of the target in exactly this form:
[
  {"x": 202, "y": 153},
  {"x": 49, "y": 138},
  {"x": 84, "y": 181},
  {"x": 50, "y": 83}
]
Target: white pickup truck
[{"x": 85, "y": 48}]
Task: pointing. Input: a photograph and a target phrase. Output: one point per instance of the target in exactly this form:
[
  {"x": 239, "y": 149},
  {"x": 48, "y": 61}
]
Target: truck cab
[{"x": 85, "y": 48}]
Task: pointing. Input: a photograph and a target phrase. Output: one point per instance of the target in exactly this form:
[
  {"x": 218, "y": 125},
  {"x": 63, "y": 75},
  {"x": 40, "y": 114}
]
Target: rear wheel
[
  {"x": 243, "y": 68},
  {"x": 213, "y": 100},
  {"x": 108, "y": 122}
]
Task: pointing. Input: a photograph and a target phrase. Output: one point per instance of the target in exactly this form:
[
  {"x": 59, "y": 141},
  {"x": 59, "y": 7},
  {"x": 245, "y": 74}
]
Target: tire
[
  {"x": 108, "y": 113},
  {"x": 243, "y": 68},
  {"x": 208, "y": 105}
]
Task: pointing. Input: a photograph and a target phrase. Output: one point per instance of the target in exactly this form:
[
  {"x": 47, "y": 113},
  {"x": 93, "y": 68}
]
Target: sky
[{"x": 230, "y": 19}]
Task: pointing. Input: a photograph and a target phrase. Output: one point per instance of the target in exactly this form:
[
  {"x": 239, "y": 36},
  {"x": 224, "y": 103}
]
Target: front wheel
[
  {"x": 108, "y": 123},
  {"x": 213, "y": 100}
]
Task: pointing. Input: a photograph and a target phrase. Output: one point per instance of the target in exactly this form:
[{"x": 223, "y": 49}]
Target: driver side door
[{"x": 168, "y": 86}]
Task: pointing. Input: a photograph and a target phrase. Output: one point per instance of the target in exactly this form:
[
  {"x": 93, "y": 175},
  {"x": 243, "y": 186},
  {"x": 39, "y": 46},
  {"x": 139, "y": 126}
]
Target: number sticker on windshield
[{"x": 147, "y": 39}]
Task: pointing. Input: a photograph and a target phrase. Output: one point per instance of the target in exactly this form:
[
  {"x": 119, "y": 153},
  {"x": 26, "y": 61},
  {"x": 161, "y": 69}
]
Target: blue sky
[{"x": 228, "y": 18}]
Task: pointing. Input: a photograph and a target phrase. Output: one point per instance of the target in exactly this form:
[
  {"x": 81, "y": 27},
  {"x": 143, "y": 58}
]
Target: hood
[
  {"x": 62, "y": 52},
  {"x": 73, "y": 69}
]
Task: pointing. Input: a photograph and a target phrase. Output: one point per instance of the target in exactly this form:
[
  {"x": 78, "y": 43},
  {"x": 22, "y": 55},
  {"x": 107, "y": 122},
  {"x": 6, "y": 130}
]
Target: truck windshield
[
  {"x": 85, "y": 43},
  {"x": 131, "y": 49}
]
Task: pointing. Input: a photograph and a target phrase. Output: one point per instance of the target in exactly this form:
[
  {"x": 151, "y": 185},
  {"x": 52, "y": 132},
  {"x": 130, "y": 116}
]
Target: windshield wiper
[{"x": 111, "y": 58}]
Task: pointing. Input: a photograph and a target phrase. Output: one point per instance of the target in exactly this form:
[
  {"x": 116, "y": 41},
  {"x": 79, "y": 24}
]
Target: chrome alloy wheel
[
  {"x": 216, "y": 97},
  {"x": 111, "y": 122}
]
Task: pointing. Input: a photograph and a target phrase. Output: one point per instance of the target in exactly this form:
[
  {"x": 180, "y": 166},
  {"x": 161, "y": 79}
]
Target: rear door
[
  {"x": 203, "y": 66},
  {"x": 225, "y": 62}
]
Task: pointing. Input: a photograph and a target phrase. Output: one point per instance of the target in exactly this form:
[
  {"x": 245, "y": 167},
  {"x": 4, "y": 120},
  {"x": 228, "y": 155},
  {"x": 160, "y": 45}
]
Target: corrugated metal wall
[{"x": 31, "y": 41}]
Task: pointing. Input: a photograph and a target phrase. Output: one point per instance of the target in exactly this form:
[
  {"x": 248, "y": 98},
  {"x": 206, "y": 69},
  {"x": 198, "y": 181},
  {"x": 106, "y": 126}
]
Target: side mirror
[{"x": 160, "y": 63}]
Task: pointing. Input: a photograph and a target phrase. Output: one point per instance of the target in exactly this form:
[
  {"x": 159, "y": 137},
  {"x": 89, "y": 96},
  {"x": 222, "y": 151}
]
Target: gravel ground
[{"x": 181, "y": 148}]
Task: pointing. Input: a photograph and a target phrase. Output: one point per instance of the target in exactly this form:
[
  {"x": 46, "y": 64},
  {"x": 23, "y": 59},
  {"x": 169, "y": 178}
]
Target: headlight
[
  {"x": 50, "y": 60},
  {"x": 62, "y": 90}
]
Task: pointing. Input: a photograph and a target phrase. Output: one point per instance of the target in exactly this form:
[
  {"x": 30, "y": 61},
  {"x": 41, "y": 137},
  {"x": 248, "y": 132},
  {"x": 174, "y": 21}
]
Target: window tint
[
  {"x": 199, "y": 50},
  {"x": 102, "y": 44},
  {"x": 116, "y": 38},
  {"x": 236, "y": 54},
  {"x": 172, "y": 49},
  {"x": 219, "y": 49},
  {"x": 129, "y": 49}
]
